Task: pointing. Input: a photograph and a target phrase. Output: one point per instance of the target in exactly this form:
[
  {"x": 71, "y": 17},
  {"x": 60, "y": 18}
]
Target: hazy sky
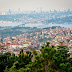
[{"x": 34, "y": 4}]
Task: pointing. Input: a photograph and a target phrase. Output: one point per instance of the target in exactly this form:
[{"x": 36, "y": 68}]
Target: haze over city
[
  {"x": 35, "y": 4},
  {"x": 35, "y": 35}
]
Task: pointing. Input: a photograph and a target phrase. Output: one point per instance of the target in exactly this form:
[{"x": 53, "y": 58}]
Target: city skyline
[{"x": 46, "y": 5}]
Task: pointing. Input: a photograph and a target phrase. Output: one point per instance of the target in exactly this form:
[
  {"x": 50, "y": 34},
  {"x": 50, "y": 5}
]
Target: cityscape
[
  {"x": 36, "y": 36},
  {"x": 36, "y": 39}
]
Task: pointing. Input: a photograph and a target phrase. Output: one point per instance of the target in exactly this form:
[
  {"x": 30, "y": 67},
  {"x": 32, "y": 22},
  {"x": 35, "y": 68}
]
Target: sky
[{"x": 35, "y": 4}]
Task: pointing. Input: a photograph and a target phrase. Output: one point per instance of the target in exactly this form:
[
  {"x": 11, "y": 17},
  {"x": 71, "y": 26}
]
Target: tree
[
  {"x": 61, "y": 59},
  {"x": 47, "y": 60},
  {"x": 43, "y": 62},
  {"x": 3, "y": 61},
  {"x": 48, "y": 53}
]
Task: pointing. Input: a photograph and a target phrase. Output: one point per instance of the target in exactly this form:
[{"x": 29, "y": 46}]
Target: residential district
[{"x": 34, "y": 40}]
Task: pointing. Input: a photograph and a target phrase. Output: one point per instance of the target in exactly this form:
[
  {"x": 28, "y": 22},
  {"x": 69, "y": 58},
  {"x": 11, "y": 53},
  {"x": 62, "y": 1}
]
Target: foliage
[{"x": 48, "y": 59}]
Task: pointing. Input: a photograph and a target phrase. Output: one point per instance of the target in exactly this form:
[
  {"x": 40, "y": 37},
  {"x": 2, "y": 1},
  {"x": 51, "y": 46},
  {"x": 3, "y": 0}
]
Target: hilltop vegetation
[
  {"x": 14, "y": 31},
  {"x": 48, "y": 59}
]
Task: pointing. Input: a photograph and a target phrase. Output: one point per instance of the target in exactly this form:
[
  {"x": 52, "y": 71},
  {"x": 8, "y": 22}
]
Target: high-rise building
[{"x": 9, "y": 12}]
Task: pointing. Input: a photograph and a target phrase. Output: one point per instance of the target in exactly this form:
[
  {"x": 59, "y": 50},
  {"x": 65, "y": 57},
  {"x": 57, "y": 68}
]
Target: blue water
[
  {"x": 10, "y": 24},
  {"x": 36, "y": 25},
  {"x": 61, "y": 25},
  {"x": 48, "y": 25}
]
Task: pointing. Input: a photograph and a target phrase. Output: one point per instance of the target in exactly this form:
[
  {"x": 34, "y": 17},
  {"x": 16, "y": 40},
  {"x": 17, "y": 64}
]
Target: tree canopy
[{"x": 48, "y": 59}]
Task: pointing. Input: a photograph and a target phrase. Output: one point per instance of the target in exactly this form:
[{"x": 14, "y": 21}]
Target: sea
[{"x": 36, "y": 25}]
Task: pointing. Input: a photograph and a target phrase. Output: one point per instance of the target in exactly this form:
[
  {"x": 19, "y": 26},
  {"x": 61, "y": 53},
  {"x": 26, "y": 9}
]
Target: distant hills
[
  {"x": 17, "y": 30},
  {"x": 13, "y": 31},
  {"x": 42, "y": 17}
]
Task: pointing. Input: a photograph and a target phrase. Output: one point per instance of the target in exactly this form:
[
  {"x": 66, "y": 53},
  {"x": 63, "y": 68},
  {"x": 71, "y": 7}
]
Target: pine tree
[{"x": 61, "y": 59}]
